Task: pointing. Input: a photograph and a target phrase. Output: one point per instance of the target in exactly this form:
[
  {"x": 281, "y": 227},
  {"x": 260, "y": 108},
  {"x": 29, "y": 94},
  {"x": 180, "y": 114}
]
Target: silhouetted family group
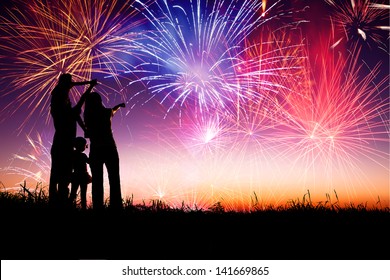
[{"x": 69, "y": 163}]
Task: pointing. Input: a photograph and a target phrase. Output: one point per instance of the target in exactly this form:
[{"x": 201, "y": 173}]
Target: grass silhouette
[
  {"x": 38, "y": 198},
  {"x": 300, "y": 229}
]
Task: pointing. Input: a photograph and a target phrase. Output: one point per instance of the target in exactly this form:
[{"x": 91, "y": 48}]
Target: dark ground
[{"x": 129, "y": 235}]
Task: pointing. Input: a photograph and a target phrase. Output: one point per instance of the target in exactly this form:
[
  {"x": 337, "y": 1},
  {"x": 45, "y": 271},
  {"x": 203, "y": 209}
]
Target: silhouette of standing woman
[
  {"x": 103, "y": 150},
  {"x": 65, "y": 119}
]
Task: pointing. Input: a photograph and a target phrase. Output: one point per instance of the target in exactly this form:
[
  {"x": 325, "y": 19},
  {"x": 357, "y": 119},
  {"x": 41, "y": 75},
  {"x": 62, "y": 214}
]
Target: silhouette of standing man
[
  {"x": 103, "y": 150},
  {"x": 65, "y": 119}
]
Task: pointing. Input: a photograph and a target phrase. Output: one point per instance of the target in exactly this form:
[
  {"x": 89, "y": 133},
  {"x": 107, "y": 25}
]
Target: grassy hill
[{"x": 300, "y": 230}]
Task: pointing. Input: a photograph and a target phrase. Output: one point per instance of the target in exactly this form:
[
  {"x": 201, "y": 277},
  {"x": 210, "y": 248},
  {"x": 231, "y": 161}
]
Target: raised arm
[
  {"x": 84, "y": 96},
  {"x": 115, "y": 108},
  {"x": 83, "y": 83}
]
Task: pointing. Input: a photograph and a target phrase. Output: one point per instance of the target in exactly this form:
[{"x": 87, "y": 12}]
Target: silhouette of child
[{"x": 80, "y": 175}]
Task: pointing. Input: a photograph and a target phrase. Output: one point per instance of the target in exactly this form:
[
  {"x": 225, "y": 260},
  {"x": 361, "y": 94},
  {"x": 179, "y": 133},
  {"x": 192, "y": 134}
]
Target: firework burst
[
  {"x": 42, "y": 39},
  {"x": 195, "y": 51},
  {"x": 33, "y": 163},
  {"x": 334, "y": 121},
  {"x": 362, "y": 21}
]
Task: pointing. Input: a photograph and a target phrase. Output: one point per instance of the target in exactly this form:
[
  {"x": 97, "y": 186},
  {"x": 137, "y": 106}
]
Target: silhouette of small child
[{"x": 80, "y": 176}]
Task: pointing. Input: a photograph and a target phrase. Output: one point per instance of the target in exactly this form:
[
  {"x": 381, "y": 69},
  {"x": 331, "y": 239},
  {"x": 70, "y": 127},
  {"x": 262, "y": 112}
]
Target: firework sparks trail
[
  {"x": 42, "y": 39},
  {"x": 35, "y": 165},
  {"x": 182, "y": 165},
  {"x": 214, "y": 142},
  {"x": 195, "y": 51},
  {"x": 362, "y": 20},
  {"x": 323, "y": 119},
  {"x": 335, "y": 120},
  {"x": 253, "y": 128}
]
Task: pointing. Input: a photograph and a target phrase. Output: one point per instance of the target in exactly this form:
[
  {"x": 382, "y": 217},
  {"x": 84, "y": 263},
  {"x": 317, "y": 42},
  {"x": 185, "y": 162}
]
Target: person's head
[
  {"x": 80, "y": 143},
  {"x": 93, "y": 101},
  {"x": 60, "y": 94},
  {"x": 65, "y": 79},
  {"x": 93, "y": 109}
]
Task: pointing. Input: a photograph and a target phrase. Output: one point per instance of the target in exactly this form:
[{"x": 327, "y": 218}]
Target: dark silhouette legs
[
  {"x": 83, "y": 193},
  {"x": 106, "y": 156},
  {"x": 60, "y": 176}
]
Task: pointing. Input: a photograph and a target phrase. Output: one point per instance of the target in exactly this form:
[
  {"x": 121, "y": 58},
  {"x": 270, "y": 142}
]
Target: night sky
[{"x": 225, "y": 101}]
